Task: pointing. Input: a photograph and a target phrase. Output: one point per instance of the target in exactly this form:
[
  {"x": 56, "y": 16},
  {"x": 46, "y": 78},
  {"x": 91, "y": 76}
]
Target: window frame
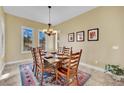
[
  {"x": 38, "y": 38},
  {"x": 2, "y": 37},
  {"x": 22, "y": 38}
]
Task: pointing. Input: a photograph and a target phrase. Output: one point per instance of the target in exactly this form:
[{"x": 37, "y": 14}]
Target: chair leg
[
  {"x": 56, "y": 77},
  {"x": 33, "y": 69},
  {"x": 67, "y": 82},
  {"x": 42, "y": 79},
  {"x": 37, "y": 75},
  {"x": 77, "y": 80}
]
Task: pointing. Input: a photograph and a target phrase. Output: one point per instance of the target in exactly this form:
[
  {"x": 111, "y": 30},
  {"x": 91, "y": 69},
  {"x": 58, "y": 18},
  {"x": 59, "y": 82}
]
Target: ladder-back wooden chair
[
  {"x": 33, "y": 55},
  {"x": 60, "y": 50},
  {"x": 41, "y": 65},
  {"x": 67, "y": 51},
  {"x": 34, "y": 63},
  {"x": 70, "y": 70}
]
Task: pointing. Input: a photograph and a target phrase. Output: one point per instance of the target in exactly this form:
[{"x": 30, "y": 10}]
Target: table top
[{"x": 54, "y": 58}]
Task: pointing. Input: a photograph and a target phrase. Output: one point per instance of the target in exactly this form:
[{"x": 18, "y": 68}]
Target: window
[
  {"x": 2, "y": 39},
  {"x": 27, "y": 39},
  {"x": 41, "y": 40}
]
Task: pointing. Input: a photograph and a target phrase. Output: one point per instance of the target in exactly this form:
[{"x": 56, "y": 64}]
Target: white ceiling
[{"x": 59, "y": 14}]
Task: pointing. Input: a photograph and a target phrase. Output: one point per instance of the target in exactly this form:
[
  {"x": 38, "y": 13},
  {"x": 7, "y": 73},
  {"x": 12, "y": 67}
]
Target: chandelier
[{"x": 49, "y": 31}]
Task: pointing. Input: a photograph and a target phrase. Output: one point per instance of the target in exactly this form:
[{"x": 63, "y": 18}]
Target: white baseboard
[
  {"x": 2, "y": 68},
  {"x": 93, "y": 67},
  {"x": 18, "y": 61},
  {"x": 83, "y": 64}
]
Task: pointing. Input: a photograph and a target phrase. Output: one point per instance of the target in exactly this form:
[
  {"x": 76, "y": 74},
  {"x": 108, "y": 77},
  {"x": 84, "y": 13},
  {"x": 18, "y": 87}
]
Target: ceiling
[{"x": 40, "y": 14}]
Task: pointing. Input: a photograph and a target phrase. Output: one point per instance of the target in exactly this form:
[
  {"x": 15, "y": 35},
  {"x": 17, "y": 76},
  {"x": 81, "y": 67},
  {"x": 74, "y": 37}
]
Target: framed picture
[
  {"x": 93, "y": 34},
  {"x": 80, "y": 36},
  {"x": 27, "y": 39},
  {"x": 71, "y": 37}
]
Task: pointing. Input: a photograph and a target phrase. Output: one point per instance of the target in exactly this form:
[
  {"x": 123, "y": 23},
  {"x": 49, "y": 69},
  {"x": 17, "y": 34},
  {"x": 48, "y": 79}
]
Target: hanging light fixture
[{"x": 49, "y": 31}]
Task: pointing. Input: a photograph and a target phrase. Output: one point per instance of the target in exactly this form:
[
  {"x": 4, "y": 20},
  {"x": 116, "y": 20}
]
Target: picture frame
[
  {"x": 80, "y": 36},
  {"x": 71, "y": 37},
  {"x": 93, "y": 34}
]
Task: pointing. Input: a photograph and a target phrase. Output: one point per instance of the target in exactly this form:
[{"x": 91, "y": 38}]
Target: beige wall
[
  {"x": 110, "y": 21},
  {"x": 50, "y": 43},
  {"x": 13, "y": 37},
  {"x": 2, "y": 28}
]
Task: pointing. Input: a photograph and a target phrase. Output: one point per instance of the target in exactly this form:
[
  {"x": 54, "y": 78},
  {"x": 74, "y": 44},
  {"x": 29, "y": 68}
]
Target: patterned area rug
[{"x": 28, "y": 78}]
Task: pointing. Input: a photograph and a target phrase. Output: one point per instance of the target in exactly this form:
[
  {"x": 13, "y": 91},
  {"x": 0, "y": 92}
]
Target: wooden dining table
[{"x": 54, "y": 58}]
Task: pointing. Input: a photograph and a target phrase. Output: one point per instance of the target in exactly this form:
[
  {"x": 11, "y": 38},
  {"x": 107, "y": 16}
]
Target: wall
[
  {"x": 2, "y": 32},
  {"x": 109, "y": 49},
  {"x": 50, "y": 43},
  {"x": 13, "y": 37}
]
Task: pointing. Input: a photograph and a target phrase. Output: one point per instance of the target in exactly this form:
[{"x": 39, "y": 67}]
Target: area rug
[{"x": 28, "y": 78}]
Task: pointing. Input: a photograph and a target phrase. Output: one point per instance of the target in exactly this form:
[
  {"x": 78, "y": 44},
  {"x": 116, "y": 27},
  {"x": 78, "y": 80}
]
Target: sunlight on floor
[{"x": 7, "y": 75}]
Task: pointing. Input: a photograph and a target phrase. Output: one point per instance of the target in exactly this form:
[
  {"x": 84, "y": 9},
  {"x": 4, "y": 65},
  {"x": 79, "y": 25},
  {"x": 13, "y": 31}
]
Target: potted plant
[{"x": 116, "y": 71}]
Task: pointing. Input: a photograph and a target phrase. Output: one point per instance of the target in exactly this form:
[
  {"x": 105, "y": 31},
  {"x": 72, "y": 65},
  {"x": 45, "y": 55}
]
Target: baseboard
[
  {"x": 2, "y": 68},
  {"x": 93, "y": 67},
  {"x": 18, "y": 61},
  {"x": 83, "y": 64}
]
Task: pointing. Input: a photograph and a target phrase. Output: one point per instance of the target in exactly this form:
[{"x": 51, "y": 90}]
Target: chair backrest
[
  {"x": 60, "y": 50},
  {"x": 74, "y": 61},
  {"x": 41, "y": 51},
  {"x": 67, "y": 51},
  {"x": 37, "y": 56},
  {"x": 32, "y": 52}
]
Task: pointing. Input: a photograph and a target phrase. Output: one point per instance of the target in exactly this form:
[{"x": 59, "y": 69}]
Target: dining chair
[
  {"x": 70, "y": 70},
  {"x": 67, "y": 51},
  {"x": 34, "y": 63},
  {"x": 60, "y": 50},
  {"x": 41, "y": 65},
  {"x": 42, "y": 51},
  {"x": 33, "y": 55}
]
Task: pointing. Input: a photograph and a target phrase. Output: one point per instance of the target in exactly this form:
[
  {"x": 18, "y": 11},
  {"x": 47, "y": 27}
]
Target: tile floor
[{"x": 10, "y": 77}]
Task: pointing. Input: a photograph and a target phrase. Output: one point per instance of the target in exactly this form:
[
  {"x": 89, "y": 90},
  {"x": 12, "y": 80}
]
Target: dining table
[
  {"x": 54, "y": 57},
  {"x": 55, "y": 60}
]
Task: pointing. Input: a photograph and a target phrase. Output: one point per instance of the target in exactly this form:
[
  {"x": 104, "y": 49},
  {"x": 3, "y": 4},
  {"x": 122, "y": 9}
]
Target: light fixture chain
[
  {"x": 49, "y": 15},
  {"x": 49, "y": 31}
]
